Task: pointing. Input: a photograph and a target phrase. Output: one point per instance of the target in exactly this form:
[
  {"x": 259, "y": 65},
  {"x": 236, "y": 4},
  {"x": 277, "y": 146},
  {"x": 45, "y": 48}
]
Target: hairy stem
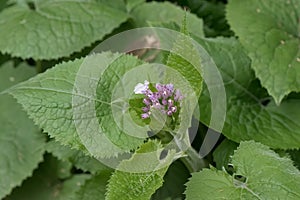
[{"x": 193, "y": 161}]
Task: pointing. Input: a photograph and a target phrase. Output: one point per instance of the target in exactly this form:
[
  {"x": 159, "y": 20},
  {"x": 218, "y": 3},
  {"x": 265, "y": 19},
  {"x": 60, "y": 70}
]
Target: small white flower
[{"x": 141, "y": 88}]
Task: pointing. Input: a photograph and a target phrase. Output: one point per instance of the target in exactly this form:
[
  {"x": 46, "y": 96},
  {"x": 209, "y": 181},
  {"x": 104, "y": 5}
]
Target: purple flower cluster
[{"x": 165, "y": 98}]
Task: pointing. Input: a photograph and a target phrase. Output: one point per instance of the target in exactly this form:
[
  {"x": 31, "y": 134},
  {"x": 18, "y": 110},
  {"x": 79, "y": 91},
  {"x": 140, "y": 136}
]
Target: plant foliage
[{"x": 73, "y": 100}]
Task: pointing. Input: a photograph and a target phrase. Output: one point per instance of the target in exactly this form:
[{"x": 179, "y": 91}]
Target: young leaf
[
  {"x": 251, "y": 113},
  {"x": 143, "y": 15},
  {"x": 269, "y": 31},
  {"x": 48, "y": 100},
  {"x": 140, "y": 183},
  {"x": 263, "y": 175},
  {"x": 21, "y": 142},
  {"x": 47, "y": 185},
  {"x": 185, "y": 58},
  {"x": 53, "y": 29}
]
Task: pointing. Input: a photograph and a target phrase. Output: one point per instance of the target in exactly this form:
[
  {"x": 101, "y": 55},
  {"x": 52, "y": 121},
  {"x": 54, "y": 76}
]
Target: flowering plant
[{"x": 92, "y": 131}]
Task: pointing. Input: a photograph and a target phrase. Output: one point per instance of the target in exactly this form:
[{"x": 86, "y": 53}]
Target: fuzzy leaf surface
[
  {"x": 48, "y": 98},
  {"x": 138, "y": 184},
  {"x": 267, "y": 176}
]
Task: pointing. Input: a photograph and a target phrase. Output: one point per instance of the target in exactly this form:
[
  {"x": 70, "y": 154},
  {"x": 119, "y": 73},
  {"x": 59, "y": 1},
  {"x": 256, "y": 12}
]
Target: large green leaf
[
  {"x": 269, "y": 30},
  {"x": 52, "y": 29},
  {"x": 47, "y": 106},
  {"x": 62, "y": 107},
  {"x": 251, "y": 113},
  {"x": 46, "y": 183},
  {"x": 168, "y": 12},
  {"x": 21, "y": 143},
  {"x": 260, "y": 174},
  {"x": 134, "y": 178}
]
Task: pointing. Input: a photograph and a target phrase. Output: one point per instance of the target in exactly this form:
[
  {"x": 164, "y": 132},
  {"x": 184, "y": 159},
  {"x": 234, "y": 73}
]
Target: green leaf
[
  {"x": 56, "y": 103},
  {"x": 22, "y": 144},
  {"x": 169, "y": 25},
  {"x": 118, "y": 4},
  {"x": 266, "y": 176},
  {"x": 53, "y": 29},
  {"x": 174, "y": 180},
  {"x": 222, "y": 154},
  {"x": 47, "y": 185},
  {"x": 76, "y": 157},
  {"x": 68, "y": 190},
  {"x": 251, "y": 113},
  {"x": 187, "y": 63},
  {"x": 189, "y": 67},
  {"x": 168, "y": 12},
  {"x": 49, "y": 102},
  {"x": 94, "y": 188},
  {"x": 136, "y": 180},
  {"x": 11, "y": 74},
  {"x": 213, "y": 15},
  {"x": 105, "y": 113},
  {"x": 270, "y": 33},
  {"x": 131, "y": 4},
  {"x": 20, "y": 2}
]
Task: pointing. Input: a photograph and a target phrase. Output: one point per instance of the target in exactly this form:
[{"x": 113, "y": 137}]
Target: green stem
[{"x": 192, "y": 160}]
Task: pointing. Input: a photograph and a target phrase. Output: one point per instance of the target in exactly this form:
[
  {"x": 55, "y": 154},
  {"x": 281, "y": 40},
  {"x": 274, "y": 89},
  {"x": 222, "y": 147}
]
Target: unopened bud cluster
[{"x": 165, "y": 98}]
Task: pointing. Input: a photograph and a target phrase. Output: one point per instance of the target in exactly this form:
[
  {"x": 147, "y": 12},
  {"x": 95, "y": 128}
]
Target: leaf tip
[
  {"x": 278, "y": 99},
  {"x": 183, "y": 28}
]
